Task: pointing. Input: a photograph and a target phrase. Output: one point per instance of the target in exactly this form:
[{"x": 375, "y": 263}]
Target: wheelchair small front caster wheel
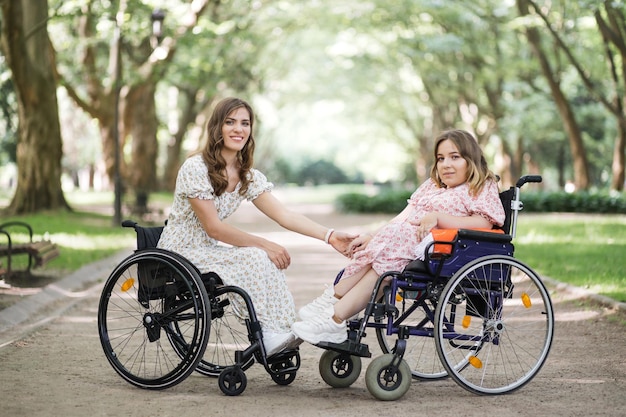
[
  {"x": 232, "y": 381},
  {"x": 339, "y": 370},
  {"x": 383, "y": 382},
  {"x": 279, "y": 375}
]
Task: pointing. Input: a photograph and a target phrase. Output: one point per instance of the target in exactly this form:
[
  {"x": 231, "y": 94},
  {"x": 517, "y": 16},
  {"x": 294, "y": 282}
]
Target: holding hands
[
  {"x": 342, "y": 241},
  {"x": 358, "y": 244}
]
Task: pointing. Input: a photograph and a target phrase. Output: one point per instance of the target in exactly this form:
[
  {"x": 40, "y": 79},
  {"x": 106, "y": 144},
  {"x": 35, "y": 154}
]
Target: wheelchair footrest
[
  {"x": 289, "y": 361},
  {"x": 349, "y": 346}
]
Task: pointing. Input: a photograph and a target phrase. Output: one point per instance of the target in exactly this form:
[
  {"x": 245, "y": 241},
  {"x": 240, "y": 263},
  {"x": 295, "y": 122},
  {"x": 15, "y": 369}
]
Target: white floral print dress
[{"x": 246, "y": 267}]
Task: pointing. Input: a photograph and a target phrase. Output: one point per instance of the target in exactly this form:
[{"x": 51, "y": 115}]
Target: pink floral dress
[
  {"x": 249, "y": 268},
  {"x": 397, "y": 244}
]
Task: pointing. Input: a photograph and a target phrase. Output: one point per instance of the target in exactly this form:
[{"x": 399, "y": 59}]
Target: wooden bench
[{"x": 39, "y": 252}]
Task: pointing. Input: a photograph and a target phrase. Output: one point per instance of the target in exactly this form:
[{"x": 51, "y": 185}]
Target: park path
[{"x": 52, "y": 364}]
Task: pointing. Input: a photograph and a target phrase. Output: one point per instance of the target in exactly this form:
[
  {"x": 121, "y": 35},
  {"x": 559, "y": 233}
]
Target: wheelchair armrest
[{"x": 494, "y": 235}]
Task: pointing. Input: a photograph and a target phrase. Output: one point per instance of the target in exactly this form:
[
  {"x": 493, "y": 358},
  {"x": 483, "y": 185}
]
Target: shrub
[
  {"x": 393, "y": 201},
  {"x": 388, "y": 201}
]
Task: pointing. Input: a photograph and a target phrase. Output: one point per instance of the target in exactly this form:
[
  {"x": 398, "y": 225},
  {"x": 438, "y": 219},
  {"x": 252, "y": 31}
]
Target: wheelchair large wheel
[
  {"x": 495, "y": 313},
  {"x": 421, "y": 353},
  {"x": 228, "y": 333},
  {"x": 154, "y": 319}
]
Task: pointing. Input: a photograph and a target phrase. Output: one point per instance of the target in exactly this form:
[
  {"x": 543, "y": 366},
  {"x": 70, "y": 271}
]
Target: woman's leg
[
  {"x": 347, "y": 283},
  {"x": 357, "y": 296},
  {"x": 329, "y": 325}
]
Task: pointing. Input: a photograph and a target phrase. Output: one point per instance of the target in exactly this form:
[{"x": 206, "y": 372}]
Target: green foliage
[
  {"x": 8, "y": 119},
  {"x": 537, "y": 202},
  {"x": 578, "y": 202},
  {"x": 314, "y": 173},
  {"x": 388, "y": 201}
]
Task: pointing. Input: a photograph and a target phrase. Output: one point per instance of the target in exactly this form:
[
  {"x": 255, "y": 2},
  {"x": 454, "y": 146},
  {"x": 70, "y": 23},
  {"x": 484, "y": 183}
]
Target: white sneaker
[
  {"x": 321, "y": 329},
  {"x": 319, "y": 306},
  {"x": 277, "y": 342}
]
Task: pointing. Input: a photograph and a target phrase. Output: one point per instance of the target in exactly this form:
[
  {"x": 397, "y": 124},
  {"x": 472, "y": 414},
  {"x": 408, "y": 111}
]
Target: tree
[
  {"x": 133, "y": 65},
  {"x": 607, "y": 87},
  {"x": 26, "y": 46}
]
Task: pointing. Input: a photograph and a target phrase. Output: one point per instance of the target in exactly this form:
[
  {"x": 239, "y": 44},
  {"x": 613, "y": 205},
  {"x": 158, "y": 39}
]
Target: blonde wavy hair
[{"x": 477, "y": 170}]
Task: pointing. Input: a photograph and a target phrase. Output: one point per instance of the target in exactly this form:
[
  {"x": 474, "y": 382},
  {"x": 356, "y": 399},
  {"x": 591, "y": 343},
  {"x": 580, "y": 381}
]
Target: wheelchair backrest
[
  {"x": 147, "y": 237},
  {"x": 506, "y": 197}
]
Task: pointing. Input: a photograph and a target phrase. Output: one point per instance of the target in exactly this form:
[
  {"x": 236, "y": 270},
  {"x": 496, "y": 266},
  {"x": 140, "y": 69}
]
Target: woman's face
[
  {"x": 236, "y": 129},
  {"x": 451, "y": 166}
]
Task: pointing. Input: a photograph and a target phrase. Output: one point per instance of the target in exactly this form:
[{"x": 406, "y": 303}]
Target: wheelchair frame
[
  {"x": 209, "y": 327},
  {"x": 473, "y": 313}
]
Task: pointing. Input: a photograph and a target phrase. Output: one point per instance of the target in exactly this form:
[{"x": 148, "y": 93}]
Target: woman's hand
[
  {"x": 426, "y": 224},
  {"x": 277, "y": 254},
  {"x": 359, "y": 244},
  {"x": 341, "y": 242}
]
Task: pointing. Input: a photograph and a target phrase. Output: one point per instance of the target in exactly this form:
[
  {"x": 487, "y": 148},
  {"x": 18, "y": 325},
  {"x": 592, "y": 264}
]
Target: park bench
[{"x": 39, "y": 252}]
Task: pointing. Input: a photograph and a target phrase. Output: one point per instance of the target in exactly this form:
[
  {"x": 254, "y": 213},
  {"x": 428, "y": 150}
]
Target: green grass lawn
[{"x": 583, "y": 250}]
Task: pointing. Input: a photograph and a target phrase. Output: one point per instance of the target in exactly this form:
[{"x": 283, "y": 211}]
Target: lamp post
[
  {"x": 117, "y": 44},
  {"x": 157, "y": 24}
]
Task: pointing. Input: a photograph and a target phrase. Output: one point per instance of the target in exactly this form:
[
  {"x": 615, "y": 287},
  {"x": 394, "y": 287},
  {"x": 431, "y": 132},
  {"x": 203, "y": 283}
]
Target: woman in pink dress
[{"x": 461, "y": 193}]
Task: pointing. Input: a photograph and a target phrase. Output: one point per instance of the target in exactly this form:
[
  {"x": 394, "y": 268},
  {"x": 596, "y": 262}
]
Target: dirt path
[{"x": 57, "y": 368}]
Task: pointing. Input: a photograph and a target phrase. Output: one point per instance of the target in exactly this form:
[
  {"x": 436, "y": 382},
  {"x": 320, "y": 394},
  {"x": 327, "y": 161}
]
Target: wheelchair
[
  {"x": 469, "y": 311},
  {"x": 160, "y": 319}
]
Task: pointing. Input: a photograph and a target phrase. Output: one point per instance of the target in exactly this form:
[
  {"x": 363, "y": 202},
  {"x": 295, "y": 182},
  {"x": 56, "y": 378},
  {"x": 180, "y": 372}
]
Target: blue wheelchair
[
  {"x": 469, "y": 311},
  {"x": 160, "y": 319}
]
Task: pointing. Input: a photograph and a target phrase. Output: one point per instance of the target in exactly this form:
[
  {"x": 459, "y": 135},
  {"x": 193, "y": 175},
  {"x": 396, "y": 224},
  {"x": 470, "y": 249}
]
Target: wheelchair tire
[
  {"x": 339, "y": 370},
  {"x": 232, "y": 381},
  {"x": 495, "y": 316},
  {"x": 154, "y": 319},
  {"x": 384, "y": 384}
]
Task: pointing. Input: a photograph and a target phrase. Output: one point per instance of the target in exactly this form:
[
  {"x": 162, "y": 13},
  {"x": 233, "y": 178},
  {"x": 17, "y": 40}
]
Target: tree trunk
[
  {"x": 187, "y": 113},
  {"x": 577, "y": 148},
  {"x": 618, "y": 178},
  {"x": 140, "y": 117},
  {"x": 39, "y": 148}
]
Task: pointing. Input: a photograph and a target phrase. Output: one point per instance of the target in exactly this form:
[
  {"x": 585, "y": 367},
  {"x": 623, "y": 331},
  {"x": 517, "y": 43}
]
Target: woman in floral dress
[
  {"x": 210, "y": 186},
  {"x": 461, "y": 193}
]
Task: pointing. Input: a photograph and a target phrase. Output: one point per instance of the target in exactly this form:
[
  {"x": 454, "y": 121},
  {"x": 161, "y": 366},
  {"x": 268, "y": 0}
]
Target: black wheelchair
[
  {"x": 469, "y": 311},
  {"x": 160, "y": 319}
]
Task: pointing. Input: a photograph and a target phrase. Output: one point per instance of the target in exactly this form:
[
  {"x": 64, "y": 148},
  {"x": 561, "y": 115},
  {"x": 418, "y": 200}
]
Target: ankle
[{"x": 337, "y": 319}]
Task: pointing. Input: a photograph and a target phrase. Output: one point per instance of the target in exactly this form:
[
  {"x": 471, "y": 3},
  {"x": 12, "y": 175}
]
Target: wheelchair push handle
[
  {"x": 528, "y": 178},
  {"x": 129, "y": 223}
]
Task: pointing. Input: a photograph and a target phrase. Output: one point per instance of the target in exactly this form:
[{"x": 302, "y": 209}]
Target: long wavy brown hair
[
  {"x": 212, "y": 152},
  {"x": 478, "y": 171}
]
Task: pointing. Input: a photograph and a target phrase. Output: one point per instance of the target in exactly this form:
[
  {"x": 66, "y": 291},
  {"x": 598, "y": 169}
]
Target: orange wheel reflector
[
  {"x": 128, "y": 284},
  {"x": 475, "y": 362},
  {"x": 526, "y": 300},
  {"x": 399, "y": 297},
  {"x": 466, "y": 321}
]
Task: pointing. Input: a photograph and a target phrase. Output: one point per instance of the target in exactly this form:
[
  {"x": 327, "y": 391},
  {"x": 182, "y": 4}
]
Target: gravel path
[{"x": 51, "y": 362}]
